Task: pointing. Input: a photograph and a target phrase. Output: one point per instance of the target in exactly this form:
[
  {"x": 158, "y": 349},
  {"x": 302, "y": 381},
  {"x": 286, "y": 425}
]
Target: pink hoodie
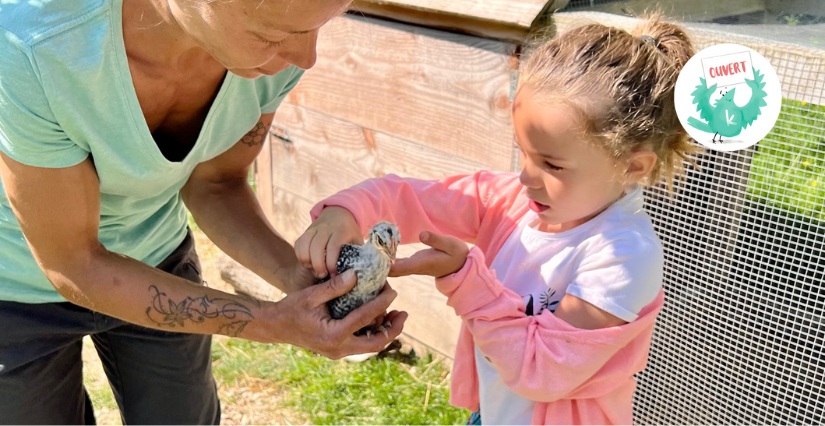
[{"x": 576, "y": 376}]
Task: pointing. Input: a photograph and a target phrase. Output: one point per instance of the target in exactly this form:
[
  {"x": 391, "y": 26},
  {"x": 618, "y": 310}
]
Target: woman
[{"x": 114, "y": 114}]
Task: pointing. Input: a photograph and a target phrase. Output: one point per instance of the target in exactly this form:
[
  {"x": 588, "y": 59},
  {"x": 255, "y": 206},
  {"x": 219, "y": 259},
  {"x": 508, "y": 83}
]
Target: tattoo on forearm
[
  {"x": 256, "y": 136},
  {"x": 166, "y": 313}
]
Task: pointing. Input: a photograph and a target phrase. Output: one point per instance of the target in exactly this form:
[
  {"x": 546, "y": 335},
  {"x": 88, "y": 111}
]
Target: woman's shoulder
[{"x": 29, "y": 22}]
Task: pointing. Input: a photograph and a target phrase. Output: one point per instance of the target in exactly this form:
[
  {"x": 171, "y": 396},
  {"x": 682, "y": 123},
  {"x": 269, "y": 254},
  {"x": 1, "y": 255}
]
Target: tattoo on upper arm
[
  {"x": 233, "y": 315},
  {"x": 256, "y": 136}
]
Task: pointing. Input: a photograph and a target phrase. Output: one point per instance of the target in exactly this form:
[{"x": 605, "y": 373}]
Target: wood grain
[
  {"x": 447, "y": 91},
  {"x": 325, "y": 155},
  {"x": 430, "y": 320},
  {"x": 290, "y": 214},
  {"x": 516, "y": 12},
  {"x": 514, "y": 24}
]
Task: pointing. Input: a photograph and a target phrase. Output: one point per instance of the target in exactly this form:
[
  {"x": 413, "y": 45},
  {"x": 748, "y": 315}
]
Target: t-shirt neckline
[{"x": 130, "y": 97}]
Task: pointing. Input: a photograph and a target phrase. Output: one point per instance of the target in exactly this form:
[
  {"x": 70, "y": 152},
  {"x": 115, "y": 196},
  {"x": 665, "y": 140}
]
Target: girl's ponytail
[{"x": 669, "y": 38}]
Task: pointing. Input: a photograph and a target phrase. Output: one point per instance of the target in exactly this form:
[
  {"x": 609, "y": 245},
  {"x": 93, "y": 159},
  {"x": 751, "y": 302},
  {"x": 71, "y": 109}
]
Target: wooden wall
[
  {"x": 389, "y": 98},
  {"x": 509, "y": 20}
]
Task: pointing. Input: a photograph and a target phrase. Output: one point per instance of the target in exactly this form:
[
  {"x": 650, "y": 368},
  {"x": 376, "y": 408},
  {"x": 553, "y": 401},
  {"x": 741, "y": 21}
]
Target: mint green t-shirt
[{"x": 66, "y": 94}]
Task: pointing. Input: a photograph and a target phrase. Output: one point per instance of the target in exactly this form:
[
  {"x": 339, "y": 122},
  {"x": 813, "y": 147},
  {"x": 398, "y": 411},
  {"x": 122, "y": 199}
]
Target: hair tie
[{"x": 650, "y": 40}]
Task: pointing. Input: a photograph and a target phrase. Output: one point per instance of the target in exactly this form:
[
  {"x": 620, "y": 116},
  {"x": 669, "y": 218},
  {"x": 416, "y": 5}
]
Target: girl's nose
[
  {"x": 302, "y": 52},
  {"x": 528, "y": 178}
]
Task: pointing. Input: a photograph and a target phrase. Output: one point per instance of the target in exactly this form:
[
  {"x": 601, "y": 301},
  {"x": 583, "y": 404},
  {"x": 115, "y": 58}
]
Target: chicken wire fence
[
  {"x": 740, "y": 338},
  {"x": 781, "y": 12}
]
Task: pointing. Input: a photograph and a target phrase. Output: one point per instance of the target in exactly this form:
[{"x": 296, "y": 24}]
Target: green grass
[
  {"x": 103, "y": 400},
  {"x": 192, "y": 224},
  {"x": 391, "y": 390},
  {"x": 788, "y": 169}
]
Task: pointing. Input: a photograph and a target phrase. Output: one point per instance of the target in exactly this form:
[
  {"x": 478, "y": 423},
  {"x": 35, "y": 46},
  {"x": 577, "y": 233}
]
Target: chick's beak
[{"x": 393, "y": 248}]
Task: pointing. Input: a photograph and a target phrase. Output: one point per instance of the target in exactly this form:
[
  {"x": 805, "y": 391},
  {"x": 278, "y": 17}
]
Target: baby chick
[{"x": 371, "y": 263}]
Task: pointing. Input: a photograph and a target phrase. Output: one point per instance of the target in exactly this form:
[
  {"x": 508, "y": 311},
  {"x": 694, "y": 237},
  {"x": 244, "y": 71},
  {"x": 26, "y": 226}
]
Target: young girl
[{"x": 559, "y": 295}]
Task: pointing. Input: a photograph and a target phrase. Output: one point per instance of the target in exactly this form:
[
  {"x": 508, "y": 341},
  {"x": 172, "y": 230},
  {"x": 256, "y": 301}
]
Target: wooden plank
[
  {"x": 290, "y": 214},
  {"x": 513, "y": 23},
  {"x": 447, "y": 91},
  {"x": 431, "y": 321},
  {"x": 324, "y": 155},
  {"x": 516, "y": 12}
]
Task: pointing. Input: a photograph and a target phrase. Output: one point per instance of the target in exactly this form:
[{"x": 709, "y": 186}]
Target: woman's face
[{"x": 257, "y": 37}]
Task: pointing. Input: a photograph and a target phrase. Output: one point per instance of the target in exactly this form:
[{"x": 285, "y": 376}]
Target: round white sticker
[{"x": 728, "y": 97}]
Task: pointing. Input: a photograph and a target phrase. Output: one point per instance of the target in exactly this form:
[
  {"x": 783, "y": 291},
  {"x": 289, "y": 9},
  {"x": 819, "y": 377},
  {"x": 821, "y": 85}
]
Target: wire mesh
[
  {"x": 740, "y": 338},
  {"x": 733, "y": 12}
]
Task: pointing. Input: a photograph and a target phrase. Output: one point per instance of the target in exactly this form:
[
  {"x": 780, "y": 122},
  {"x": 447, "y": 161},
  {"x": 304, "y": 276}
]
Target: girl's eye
[
  {"x": 552, "y": 166},
  {"x": 271, "y": 43}
]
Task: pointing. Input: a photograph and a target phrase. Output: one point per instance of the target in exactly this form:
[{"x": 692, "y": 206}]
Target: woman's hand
[
  {"x": 294, "y": 278},
  {"x": 318, "y": 248},
  {"x": 302, "y": 319},
  {"x": 447, "y": 256}
]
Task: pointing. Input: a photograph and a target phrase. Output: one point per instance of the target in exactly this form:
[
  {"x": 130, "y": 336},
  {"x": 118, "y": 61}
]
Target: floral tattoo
[
  {"x": 166, "y": 313},
  {"x": 256, "y": 136}
]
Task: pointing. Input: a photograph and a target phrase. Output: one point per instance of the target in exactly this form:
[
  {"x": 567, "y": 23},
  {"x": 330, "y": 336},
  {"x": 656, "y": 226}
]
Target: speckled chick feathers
[{"x": 371, "y": 263}]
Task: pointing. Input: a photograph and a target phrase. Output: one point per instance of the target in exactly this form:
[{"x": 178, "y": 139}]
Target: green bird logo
[{"x": 725, "y": 118}]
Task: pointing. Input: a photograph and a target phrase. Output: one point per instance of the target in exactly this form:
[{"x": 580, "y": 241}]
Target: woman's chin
[{"x": 249, "y": 74}]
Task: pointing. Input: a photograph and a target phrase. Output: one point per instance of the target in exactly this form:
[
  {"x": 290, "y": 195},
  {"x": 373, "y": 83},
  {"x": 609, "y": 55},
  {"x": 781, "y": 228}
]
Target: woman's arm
[
  {"x": 224, "y": 206},
  {"x": 59, "y": 209}
]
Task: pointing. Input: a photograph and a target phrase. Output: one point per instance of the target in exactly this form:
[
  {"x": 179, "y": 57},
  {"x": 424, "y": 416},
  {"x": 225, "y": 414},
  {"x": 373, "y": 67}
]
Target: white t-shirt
[{"x": 614, "y": 261}]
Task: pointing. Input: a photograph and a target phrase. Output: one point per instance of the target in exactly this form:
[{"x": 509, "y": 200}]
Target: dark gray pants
[{"x": 157, "y": 377}]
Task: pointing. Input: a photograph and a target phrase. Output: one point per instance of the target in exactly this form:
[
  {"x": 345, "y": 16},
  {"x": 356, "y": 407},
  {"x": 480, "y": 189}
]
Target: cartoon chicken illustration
[{"x": 725, "y": 118}]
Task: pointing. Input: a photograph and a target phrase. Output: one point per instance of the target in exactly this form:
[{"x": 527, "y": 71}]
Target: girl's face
[
  {"x": 568, "y": 179},
  {"x": 251, "y": 38}
]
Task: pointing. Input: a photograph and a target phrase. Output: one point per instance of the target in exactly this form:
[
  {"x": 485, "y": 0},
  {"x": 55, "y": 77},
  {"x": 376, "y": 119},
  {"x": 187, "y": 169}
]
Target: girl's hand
[
  {"x": 447, "y": 256},
  {"x": 318, "y": 248}
]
